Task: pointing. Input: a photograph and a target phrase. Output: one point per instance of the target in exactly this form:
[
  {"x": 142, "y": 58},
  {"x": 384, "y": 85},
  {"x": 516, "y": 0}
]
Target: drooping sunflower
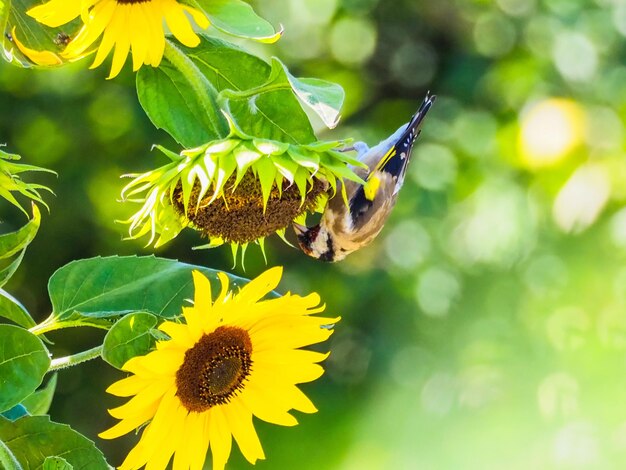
[
  {"x": 232, "y": 359},
  {"x": 134, "y": 26},
  {"x": 236, "y": 190}
]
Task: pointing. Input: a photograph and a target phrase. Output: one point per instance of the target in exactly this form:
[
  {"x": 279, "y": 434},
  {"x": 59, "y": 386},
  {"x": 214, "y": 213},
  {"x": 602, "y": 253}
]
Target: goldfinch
[{"x": 347, "y": 228}]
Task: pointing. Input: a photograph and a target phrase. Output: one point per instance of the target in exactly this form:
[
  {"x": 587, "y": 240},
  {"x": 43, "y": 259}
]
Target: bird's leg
[{"x": 359, "y": 147}]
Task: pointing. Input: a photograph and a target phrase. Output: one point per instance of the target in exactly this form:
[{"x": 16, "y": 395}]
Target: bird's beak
[{"x": 299, "y": 229}]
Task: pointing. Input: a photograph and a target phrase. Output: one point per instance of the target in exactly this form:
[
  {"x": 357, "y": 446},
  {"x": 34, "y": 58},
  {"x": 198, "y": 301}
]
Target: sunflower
[
  {"x": 127, "y": 25},
  {"x": 231, "y": 359},
  {"x": 236, "y": 190}
]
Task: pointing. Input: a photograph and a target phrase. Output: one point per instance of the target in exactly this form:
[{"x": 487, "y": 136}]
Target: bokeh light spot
[
  {"x": 413, "y": 64},
  {"x": 408, "y": 245},
  {"x": 568, "y": 328},
  {"x": 575, "y": 57},
  {"x": 517, "y": 7},
  {"x": 582, "y": 198},
  {"x": 550, "y": 129},
  {"x": 558, "y": 396},
  {"x": 439, "y": 393},
  {"x": 437, "y": 290},
  {"x": 353, "y": 40},
  {"x": 434, "y": 167},
  {"x": 494, "y": 35}
]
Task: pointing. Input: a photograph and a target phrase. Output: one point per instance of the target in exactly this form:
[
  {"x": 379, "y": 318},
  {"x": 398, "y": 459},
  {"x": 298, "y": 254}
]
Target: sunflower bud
[{"x": 236, "y": 190}]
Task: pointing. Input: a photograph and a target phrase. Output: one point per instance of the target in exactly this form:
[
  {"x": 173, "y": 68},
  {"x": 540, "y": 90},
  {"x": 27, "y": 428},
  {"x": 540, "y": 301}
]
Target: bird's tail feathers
[
  {"x": 418, "y": 117},
  {"x": 396, "y": 160}
]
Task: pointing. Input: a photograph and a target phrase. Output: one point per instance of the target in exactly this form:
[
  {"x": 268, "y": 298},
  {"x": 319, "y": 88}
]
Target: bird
[{"x": 345, "y": 228}]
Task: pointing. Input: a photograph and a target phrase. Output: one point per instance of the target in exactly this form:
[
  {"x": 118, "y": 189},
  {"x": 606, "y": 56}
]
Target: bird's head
[{"x": 316, "y": 242}]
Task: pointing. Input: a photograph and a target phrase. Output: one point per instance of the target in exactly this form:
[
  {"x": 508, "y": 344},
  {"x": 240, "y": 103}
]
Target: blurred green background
[{"x": 486, "y": 326}]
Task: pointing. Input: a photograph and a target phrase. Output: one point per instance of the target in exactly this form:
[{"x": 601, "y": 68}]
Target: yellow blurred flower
[
  {"x": 134, "y": 26},
  {"x": 232, "y": 359},
  {"x": 550, "y": 130}
]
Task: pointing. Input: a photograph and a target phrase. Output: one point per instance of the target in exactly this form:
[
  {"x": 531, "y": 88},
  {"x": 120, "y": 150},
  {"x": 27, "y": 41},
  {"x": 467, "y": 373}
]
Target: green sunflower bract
[
  {"x": 236, "y": 190},
  {"x": 10, "y": 181}
]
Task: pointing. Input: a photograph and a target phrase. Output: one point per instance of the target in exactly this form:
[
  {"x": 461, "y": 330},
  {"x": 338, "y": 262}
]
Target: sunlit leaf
[
  {"x": 32, "y": 439},
  {"x": 130, "y": 336},
  {"x": 12, "y": 309},
  {"x": 323, "y": 97},
  {"x": 237, "y": 18},
  {"x": 38, "y": 402},
  {"x": 8, "y": 461},
  {"x": 95, "y": 289},
  {"x": 12, "y": 243},
  {"x": 172, "y": 105},
  {"x": 262, "y": 99},
  {"x": 56, "y": 463},
  {"x": 271, "y": 110},
  {"x": 23, "y": 362}
]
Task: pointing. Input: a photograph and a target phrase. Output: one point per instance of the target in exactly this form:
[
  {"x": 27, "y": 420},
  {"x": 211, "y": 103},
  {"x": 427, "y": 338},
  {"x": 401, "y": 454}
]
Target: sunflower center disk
[
  {"x": 214, "y": 369},
  {"x": 238, "y": 216}
]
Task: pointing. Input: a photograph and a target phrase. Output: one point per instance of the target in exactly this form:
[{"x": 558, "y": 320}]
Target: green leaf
[
  {"x": 23, "y": 362},
  {"x": 237, "y": 18},
  {"x": 7, "y": 459},
  {"x": 12, "y": 309},
  {"x": 7, "y": 272},
  {"x": 56, "y": 463},
  {"x": 130, "y": 336},
  {"x": 271, "y": 110},
  {"x": 323, "y": 97},
  {"x": 100, "y": 288},
  {"x": 260, "y": 98},
  {"x": 171, "y": 105},
  {"x": 11, "y": 182},
  {"x": 38, "y": 403},
  {"x": 12, "y": 243},
  {"x": 32, "y": 439}
]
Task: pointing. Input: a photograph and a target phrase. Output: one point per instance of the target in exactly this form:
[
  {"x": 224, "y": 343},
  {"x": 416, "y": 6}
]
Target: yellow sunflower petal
[
  {"x": 46, "y": 58},
  {"x": 139, "y": 37},
  {"x": 266, "y": 407},
  {"x": 156, "y": 33},
  {"x": 144, "y": 399},
  {"x": 239, "y": 419},
  {"x": 201, "y": 441},
  {"x": 194, "y": 433},
  {"x": 291, "y": 396},
  {"x": 129, "y": 424},
  {"x": 122, "y": 44},
  {"x": 179, "y": 24},
  {"x": 200, "y": 18},
  {"x": 56, "y": 13},
  {"x": 179, "y": 333},
  {"x": 221, "y": 440},
  {"x": 170, "y": 442},
  {"x": 202, "y": 288},
  {"x": 161, "y": 362},
  {"x": 128, "y": 386},
  {"x": 103, "y": 15},
  {"x": 168, "y": 411},
  {"x": 224, "y": 293},
  {"x": 260, "y": 286}
]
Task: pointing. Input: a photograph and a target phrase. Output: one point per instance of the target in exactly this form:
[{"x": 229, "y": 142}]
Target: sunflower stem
[
  {"x": 203, "y": 88},
  {"x": 74, "y": 359},
  {"x": 50, "y": 324}
]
